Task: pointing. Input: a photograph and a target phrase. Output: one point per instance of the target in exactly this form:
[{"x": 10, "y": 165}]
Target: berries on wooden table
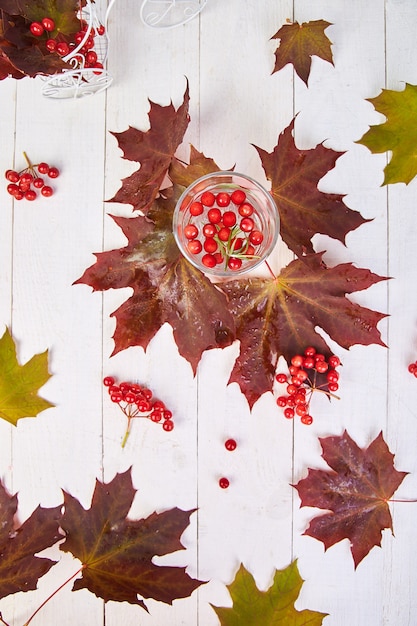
[
  {"x": 24, "y": 184},
  {"x": 308, "y": 372},
  {"x": 137, "y": 401}
]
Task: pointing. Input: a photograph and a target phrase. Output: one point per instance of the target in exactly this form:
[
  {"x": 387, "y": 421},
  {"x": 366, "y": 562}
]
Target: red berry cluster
[
  {"x": 137, "y": 401},
  {"x": 222, "y": 236},
  {"x": 412, "y": 368},
  {"x": 62, "y": 46},
  {"x": 27, "y": 182},
  {"x": 308, "y": 373}
]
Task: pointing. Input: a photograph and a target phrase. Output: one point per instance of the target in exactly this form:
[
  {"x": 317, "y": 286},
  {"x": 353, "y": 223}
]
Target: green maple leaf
[
  {"x": 274, "y": 607},
  {"x": 299, "y": 42},
  {"x": 117, "y": 552},
  {"x": 355, "y": 492},
  {"x": 20, "y": 569},
  {"x": 397, "y": 134},
  {"x": 19, "y": 384}
]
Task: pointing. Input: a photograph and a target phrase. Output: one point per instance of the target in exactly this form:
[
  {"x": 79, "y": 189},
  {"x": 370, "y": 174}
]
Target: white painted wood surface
[{"x": 227, "y": 56}]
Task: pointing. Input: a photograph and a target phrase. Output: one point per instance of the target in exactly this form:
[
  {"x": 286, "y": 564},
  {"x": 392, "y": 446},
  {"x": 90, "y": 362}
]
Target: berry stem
[
  {"x": 127, "y": 433},
  {"x": 270, "y": 270},
  {"x": 2, "y": 620},
  {"x": 28, "y": 161},
  {"x": 51, "y": 596}
]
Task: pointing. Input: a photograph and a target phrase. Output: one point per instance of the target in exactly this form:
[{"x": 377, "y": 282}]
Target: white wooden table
[{"x": 227, "y": 55}]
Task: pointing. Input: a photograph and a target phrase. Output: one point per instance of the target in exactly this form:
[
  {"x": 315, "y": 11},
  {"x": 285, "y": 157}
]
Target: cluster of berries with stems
[
  {"x": 61, "y": 46},
  {"x": 223, "y": 229},
  {"x": 137, "y": 401},
  {"x": 27, "y": 182},
  {"x": 308, "y": 373},
  {"x": 412, "y": 368}
]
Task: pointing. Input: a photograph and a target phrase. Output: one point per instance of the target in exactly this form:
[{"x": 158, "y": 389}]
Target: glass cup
[{"x": 226, "y": 223}]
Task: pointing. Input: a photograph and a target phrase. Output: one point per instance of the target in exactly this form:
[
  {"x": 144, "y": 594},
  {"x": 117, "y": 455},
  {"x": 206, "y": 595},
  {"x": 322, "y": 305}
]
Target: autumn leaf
[
  {"x": 304, "y": 210},
  {"x": 154, "y": 150},
  {"x": 275, "y": 606},
  {"x": 355, "y": 492},
  {"x": 20, "y": 569},
  {"x": 398, "y": 134},
  {"x": 117, "y": 552},
  {"x": 19, "y": 384},
  {"x": 279, "y": 316},
  {"x": 166, "y": 288},
  {"x": 200, "y": 165},
  {"x": 298, "y": 43}
]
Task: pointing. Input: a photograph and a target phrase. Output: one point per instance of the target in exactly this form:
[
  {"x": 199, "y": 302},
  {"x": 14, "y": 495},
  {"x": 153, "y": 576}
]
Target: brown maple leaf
[
  {"x": 116, "y": 553},
  {"x": 304, "y": 210},
  {"x": 20, "y": 569},
  {"x": 299, "y": 42},
  {"x": 356, "y": 493},
  {"x": 200, "y": 165},
  {"x": 279, "y": 316},
  {"x": 166, "y": 288},
  {"x": 154, "y": 150}
]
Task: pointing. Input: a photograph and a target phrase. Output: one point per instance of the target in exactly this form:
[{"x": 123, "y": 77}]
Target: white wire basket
[
  {"x": 169, "y": 13},
  {"x": 81, "y": 81}
]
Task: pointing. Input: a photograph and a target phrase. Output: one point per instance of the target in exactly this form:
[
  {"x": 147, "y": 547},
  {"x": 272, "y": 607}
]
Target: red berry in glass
[
  {"x": 207, "y": 198},
  {"x": 238, "y": 196},
  {"x": 196, "y": 208},
  {"x": 223, "y": 199},
  {"x": 194, "y": 246}
]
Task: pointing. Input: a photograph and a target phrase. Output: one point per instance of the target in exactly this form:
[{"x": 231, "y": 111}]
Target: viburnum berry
[
  {"x": 36, "y": 29},
  {"x": 48, "y": 24},
  {"x": 308, "y": 372},
  {"x": 23, "y": 184},
  {"x": 136, "y": 400},
  {"x": 412, "y": 368},
  {"x": 230, "y": 444},
  {"x": 224, "y": 482}
]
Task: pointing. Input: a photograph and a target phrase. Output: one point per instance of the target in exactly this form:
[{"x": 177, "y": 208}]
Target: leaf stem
[
  {"x": 270, "y": 270},
  {"x": 50, "y": 596}
]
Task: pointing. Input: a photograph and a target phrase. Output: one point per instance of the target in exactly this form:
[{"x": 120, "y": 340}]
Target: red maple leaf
[
  {"x": 116, "y": 553},
  {"x": 154, "y": 150},
  {"x": 299, "y": 42},
  {"x": 279, "y": 316},
  {"x": 166, "y": 288},
  {"x": 356, "y": 493},
  {"x": 304, "y": 210},
  {"x": 20, "y": 569}
]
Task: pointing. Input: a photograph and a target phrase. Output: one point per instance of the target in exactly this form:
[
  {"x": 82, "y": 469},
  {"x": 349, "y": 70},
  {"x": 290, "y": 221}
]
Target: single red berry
[
  {"x": 310, "y": 351},
  {"x": 36, "y": 29},
  {"x": 196, "y": 208},
  {"x": 230, "y": 445},
  {"x": 309, "y": 362},
  {"x": 38, "y": 183},
  {"x": 26, "y": 178},
  {"x": 224, "y": 233},
  {"x": 47, "y": 191},
  {"x": 53, "y": 172},
  {"x": 168, "y": 425},
  {"x": 234, "y": 263},
  {"x": 43, "y": 168},
  {"x": 219, "y": 258},
  {"x": 321, "y": 367},
  {"x": 224, "y": 482},
  {"x": 297, "y": 361},
  {"x": 307, "y": 419},
  {"x": 190, "y": 231},
  {"x": 158, "y": 404},
  {"x": 238, "y": 196},
  {"x": 167, "y": 415},
  {"x": 207, "y": 198},
  {"x": 209, "y": 261},
  {"x": 156, "y": 416},
  {"x": 246, "y": 209},
  {"x": 411, "y": 368},
  {"x": 256, "y": 237},
  {"x": 333, "y": 387},
  {"x": 210, "y": 245},
  {"x": 334, "y": 361},
  {"x": 214, "y": 216},
  {"x": 289, "y": 413},
  {"x": 62, "y": 48},
  {"x": 12, "y": 176},
  {"x": 291, "y": 389},
  {"x": 223, "y": 199},
  {"x": 98, "y": 68},
  {"x": 319, "y": 357},
  {"x": 48, "y": 24},
  {"x": 229, "y": 218},
  {"x": 332, "y": 376},
  {"x": 51, "y": 45},
  {"x": 209, "y": 230},
  {"x": 12, "y": 189},
  {"x": 116, "y": 397},
  {"x": 281, "y": 378},
  {"x": 19, "y": 195},
  {"x": 130, "y": 397},
  {"x": 91, "y": 57},
  {"x": 108, "y": 381},
  {"x": 282, "y": 401},
  {"x": 247, "y": 224},
  {"x": 301, "y": 409},
  {"x": 30, "y": 194},
  {"x": 194, "y": 246},
  {"x": 101, "y": 30}
]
